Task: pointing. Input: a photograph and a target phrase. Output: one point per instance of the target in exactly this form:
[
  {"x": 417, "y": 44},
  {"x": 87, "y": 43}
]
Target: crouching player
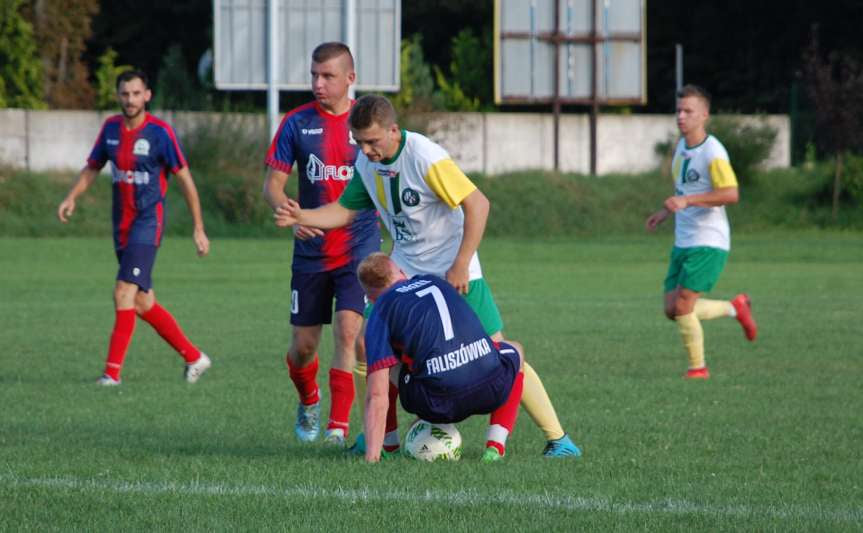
[{"x": 424, "y": 337}]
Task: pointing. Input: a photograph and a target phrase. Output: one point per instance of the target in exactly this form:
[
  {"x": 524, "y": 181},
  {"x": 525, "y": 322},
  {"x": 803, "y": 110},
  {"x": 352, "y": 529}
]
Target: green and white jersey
[
  {"x": 417, "y": 194},
  {"x": 697, "y": 170}
]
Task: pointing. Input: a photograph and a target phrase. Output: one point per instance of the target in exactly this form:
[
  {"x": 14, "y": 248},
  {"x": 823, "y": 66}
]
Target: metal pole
[
  {"x": 678, "y": 67},
  {"x": 594, "y": 101},
  {"x": 272, "y": 66},
  {"x": 350, "y": 32},
  {"x": 556, "y": 102}
]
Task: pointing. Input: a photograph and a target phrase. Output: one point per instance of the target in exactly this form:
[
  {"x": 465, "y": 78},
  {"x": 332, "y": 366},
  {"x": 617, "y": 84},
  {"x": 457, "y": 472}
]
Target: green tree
[
  {"x": 106, "y": 79},
  {"x": 176, "y": 89},
  {"x": 835, "y": 85},
  {"x": 62, "y": 28},
  {"x": 417, "y": 93},
  {"x": 20, "y": 67}
]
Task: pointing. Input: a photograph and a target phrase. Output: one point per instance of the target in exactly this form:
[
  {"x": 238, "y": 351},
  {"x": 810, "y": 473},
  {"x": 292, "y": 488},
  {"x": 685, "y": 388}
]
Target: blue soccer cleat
[
  {"x": 562, "y": 447},
  {"x": 308, "y": 422},
  {"x": 359, "y": 447}
]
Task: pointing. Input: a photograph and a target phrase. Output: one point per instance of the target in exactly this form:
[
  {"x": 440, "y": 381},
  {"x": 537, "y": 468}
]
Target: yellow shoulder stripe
[
  {"x": 448, "y": 182},
  {"x": 721, "y": 174}
]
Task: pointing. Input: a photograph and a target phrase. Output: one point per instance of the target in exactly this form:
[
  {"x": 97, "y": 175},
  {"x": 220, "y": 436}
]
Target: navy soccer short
[
  {"x": 136, "y": 264},
  {"x": 312, "y": 295},
  {"x": 452, "y": 406}
]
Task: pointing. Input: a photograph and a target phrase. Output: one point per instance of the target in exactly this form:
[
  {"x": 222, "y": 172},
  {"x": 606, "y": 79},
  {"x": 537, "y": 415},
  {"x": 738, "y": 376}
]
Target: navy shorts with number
[
  {"x": 452, "y": 406},
  {"x": 312, "y": 295},
  {"x": 136, "y": 264}
]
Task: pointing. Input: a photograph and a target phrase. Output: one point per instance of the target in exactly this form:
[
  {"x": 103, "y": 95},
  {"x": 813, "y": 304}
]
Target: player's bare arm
[
  {"x": 67, "y": 206},
  {"x": 476, "y": 207},
  {"x": 330, "y": 216},
  {"x": 715, "y": 198},
  {"x": 657, "y": 218},
  {"x": 377, "y": 401},
  {"x": 190, "y": 193},
  {"x": 274, "y": 194}
]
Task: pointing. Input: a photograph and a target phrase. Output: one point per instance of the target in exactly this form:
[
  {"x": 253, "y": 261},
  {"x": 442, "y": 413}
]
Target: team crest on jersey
[
  {"x": 691, "y": 176},
  {"x": 410, "y": 197},
  {"x": 142, "y": 147}
]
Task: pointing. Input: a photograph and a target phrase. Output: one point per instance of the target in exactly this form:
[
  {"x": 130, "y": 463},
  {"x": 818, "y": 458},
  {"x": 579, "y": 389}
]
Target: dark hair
[
  {"x": 326, "y": 51},
  {"x": 694, "y": 90},
  {"x": 372, "y": 109},
  {"x": 129, "y": 75}
]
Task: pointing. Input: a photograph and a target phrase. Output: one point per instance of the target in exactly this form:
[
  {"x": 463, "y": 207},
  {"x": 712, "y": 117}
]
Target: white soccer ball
[{"x": 431, "y": 442}]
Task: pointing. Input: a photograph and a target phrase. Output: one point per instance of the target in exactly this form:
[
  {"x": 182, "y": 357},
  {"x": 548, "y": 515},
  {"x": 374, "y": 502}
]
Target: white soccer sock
[{"x": 497, "y": 433}]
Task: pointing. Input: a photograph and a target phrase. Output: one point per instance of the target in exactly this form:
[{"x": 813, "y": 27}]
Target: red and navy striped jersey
[
  {"x": 321, "y": 146},
  {"x": 140, "y": 161},
  {"x": 424, "y": 323}
]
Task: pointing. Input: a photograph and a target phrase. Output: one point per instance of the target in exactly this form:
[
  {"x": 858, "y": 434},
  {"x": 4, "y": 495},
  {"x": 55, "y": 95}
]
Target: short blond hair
[
  {"x": 375, "y": 271},
  {"x": 697, "y": 91}
]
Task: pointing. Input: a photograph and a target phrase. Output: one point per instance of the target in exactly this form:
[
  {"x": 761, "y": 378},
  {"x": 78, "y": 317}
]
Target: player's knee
[
  {"x": 301, "y": 352},
  {"x": 143, "y": 302},
  {"x": 670, "y": 312}
]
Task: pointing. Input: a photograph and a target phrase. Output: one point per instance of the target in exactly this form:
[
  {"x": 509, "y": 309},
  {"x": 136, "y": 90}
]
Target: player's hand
[
  {"x": 202, "y": 243},
  {"x": 656, "y": 219},
  {"x": 305, "y": 233},
  {"x": 286, "y": 215},
  {"x": 65, "y": 210},
  {"x": 676, "y": 203},
  {"x": 459, "y": 277}
]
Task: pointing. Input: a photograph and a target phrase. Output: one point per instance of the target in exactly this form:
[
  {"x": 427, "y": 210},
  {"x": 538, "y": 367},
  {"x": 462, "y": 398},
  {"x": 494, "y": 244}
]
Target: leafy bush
[
  {"x": 852, "y": 178},
  {"x": 748, "y": 144},
  {"x": 106, "y": 79},
  {"x": 227, "y": 161}
]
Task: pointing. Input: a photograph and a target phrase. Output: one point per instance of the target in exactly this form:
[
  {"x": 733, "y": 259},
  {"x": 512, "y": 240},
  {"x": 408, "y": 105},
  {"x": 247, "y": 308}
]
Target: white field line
[{"x": 470, "y": 497}]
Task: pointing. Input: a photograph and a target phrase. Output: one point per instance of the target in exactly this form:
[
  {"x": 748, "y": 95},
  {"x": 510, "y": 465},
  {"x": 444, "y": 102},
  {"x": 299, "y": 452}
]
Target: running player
[
  {"x": 423, "y": 336},
  {"x": 142, "y": 150},
  {"x": 316, "y": 136},
  {"x": 704, "y": 184},
  {"x": 436, "y": 217}
]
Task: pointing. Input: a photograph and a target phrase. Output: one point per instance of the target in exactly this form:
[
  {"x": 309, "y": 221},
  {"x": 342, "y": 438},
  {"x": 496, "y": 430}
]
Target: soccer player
[
  {"x": 424, "y": 337},
  {"x": 704, "y": 184},
  {"x": 436, "y": 217},
  {"x": 317, "y": 138},
  {"x": 142, "y": 150}
]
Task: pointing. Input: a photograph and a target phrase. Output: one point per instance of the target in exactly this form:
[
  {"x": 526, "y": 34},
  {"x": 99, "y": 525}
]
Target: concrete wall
[{"x": 491, "y": 143}]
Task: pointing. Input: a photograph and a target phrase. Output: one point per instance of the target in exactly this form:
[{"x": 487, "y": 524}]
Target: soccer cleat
[
  {"x": 743, "y": 305},
  {"x": 308, "y": 422},
  {"x": 195, "y": 370},
  {"x": 491, "y": 455},
  {"x": 562, "y": 447},
  {"x": 335, "y": 437},
  {"x": 359, "y": 446},
  {"x": 107, "y": 381},
  {"x": 697, "y": 373}
]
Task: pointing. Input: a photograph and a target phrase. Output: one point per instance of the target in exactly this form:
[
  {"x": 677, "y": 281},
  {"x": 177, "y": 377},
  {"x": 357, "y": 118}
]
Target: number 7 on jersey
[{"x": 442, "y": 310}]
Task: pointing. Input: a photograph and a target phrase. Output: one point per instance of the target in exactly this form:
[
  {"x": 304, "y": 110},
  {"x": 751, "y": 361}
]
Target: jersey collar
[{"x": 392, "y": 160}]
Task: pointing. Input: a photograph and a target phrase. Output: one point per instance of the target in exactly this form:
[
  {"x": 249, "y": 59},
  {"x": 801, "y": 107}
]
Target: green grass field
[{"x": 771, "y": 443}]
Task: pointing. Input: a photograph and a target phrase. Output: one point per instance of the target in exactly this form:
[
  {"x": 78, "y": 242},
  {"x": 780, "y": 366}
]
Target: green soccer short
[
  {"x": 696, "y": 269},
  {"x": 480, "y": 299}
]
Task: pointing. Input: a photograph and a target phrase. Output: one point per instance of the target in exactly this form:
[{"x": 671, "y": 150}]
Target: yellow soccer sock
[
  {"x": 360, "y": 389},
  {"x": 710, "y": 309},
  {"x": 538, "y": 405},
  {"x": 693, "y": 338}
]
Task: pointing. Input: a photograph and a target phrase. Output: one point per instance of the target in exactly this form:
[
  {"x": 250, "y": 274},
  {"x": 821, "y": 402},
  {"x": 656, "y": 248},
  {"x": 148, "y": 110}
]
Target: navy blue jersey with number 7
[{"x": 424, "y": 323}]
